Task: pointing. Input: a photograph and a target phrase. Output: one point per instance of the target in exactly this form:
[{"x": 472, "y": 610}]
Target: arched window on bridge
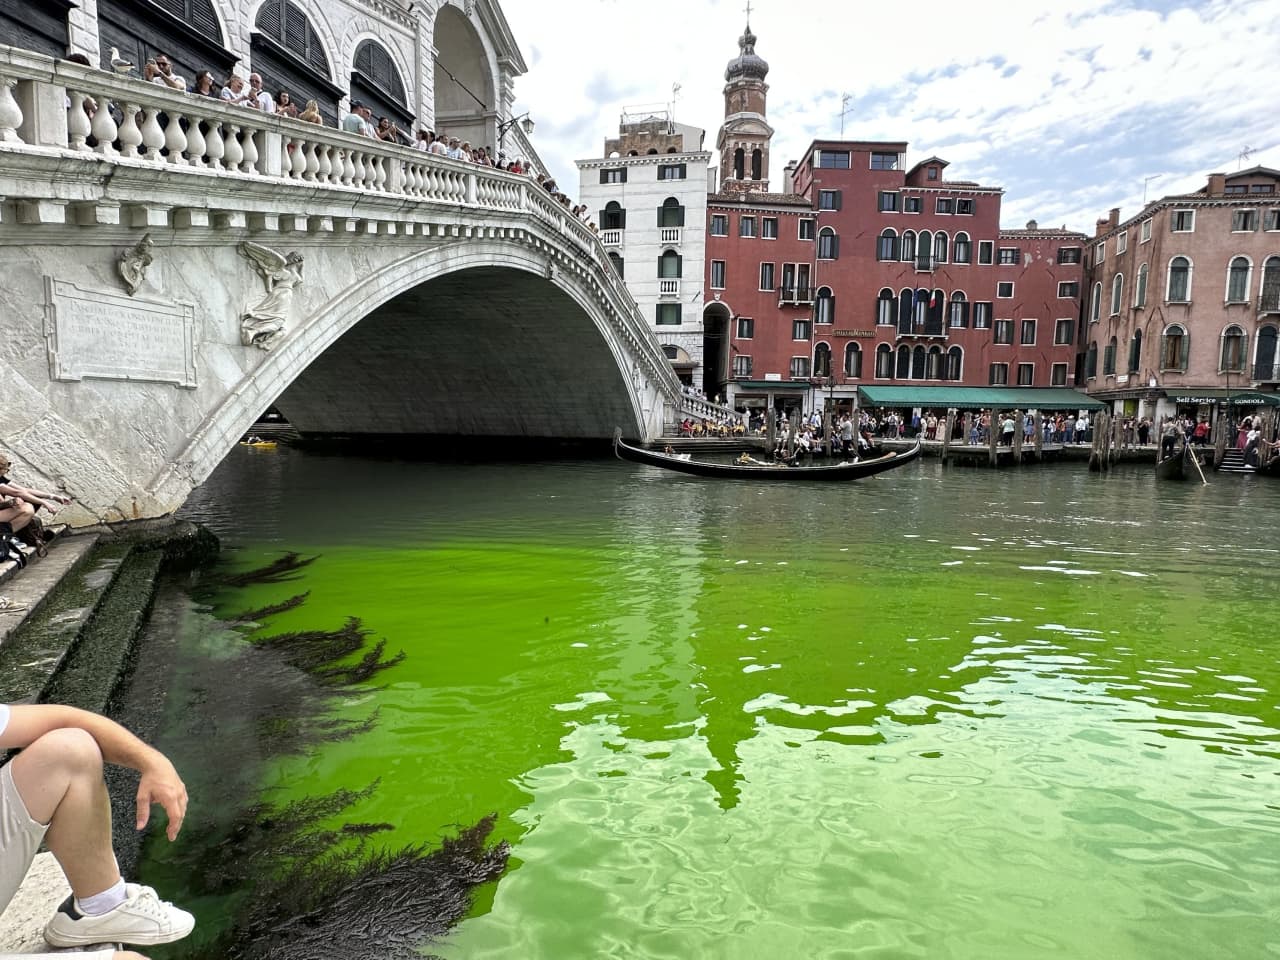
[
  {"x": 287, "y": 51},
  {"x": 376, "y": 81},
  {"x": 188, "y": 32}
]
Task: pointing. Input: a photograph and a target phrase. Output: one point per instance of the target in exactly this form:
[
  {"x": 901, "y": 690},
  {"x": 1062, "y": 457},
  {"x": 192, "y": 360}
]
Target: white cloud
[{"x": 1066, "y": 108}]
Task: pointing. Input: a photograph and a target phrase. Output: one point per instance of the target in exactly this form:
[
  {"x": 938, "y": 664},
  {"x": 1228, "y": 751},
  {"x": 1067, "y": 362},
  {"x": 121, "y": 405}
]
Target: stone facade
[
  {"x": 1185, "y": 295},
  {"x": 648, "y": 196}
]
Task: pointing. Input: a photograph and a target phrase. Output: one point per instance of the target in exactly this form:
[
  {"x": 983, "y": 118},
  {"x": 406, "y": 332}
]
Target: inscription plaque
[{"x": 109, "y": 337}]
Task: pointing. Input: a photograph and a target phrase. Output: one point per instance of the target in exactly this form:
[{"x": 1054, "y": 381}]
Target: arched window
[
  {"x": 613, "y": 217},
  {"x": 1117, "y": 293},
  {"x": 1135, "y": 352},
  {"x": 920, "y": 310},
  {"x": 1140, "y": 288},
  {"x": 1091, "y": 360},
  {"x": 918, "y": 363},
  {"x": 933, "y": 364},
  {"x": 1265, "y": 366},
  {"x": 1238, "y": 280},
  {"x": 671, "y": 213},
  {"x": 617, "y": 263},
  {"x": 1109, "y": 358},
  {"x": 887, "y": 244},
  {"x": 651, "y": 152},
  {"x": 669, "y": 265},
  {"x": 885, "y": 306},
  {"x": 904, "y": 362},
  {"x": 739, "y": 164},
  {"x": 906, "y": 299},
  {"x": 963, "y": 252},
  {"x": 822, "y": 360},
  {"x": 958, "y": 315},
  {"x": 286, "y": 23},
  {"x": 924, "y": 250},
  {"x": 1179, "y": 284},
  {"x": 939, "y": 247},
  {"x": 908, "y": 245},
  {"x": 1231, "y": 357},
  {"x": 824, "y": 306},
  {"x": 937, "y": 306},
  {"x": 1269, "y": 299},
  {"x": 884, "y": 362},
  {"x": 955, "y": 364},
  {"x": 853, "y": 360},
  {"x": 757, "y": 160},
  {"x": 1175, "y": 348},
  {"x": 1095, "y": 308},
  {"x": 828, "y": 244},
  {"x": 41, "y": 25},
  {"x": 376, "y": 81}
]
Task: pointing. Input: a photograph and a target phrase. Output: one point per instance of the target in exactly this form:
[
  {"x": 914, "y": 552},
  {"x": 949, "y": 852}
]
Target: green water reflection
[{"x": 943, "y": 714}]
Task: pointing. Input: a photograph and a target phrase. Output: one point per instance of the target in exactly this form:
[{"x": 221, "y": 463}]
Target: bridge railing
[{"x": 73, "y": 110}]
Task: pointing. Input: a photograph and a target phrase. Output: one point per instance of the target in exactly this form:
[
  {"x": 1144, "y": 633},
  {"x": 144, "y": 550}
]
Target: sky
[{"x": 1072, "y": 107}]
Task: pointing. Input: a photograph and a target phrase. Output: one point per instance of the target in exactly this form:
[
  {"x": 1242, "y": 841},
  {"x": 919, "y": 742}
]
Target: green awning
[
  {"x": 778, "y": 386},
  {"x": 979, "y": 398},
  {"x": 1237, "y": 398}
]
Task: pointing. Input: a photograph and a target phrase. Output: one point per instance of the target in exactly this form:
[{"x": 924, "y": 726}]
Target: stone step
[{"x": 29, "y": 587}]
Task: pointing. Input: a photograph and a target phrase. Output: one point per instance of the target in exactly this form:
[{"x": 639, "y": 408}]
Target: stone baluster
[
  {"x": 78, "y": 128},
  {"x": 232, "y": 153},
  {"x": 152, "y": 135},
  {"x": 375, "y": 176},
  {"x": 324, "y": 165},
  {"x": 104, "y": 130},
  {"x": 10, "y": 113},
  {"x": 348, "y": 168},
  {"x": 175, "y": 141},
  {"x": 357, "y": 178},
  {"x": 297, "y": 159},
  {"x": 129, "y": 135},
  {"x": 310, "y": 164},
  {"x": 213, "y": 145},
  {"x": 196, "y": 145},
  {"x": 249, "y": 145}
]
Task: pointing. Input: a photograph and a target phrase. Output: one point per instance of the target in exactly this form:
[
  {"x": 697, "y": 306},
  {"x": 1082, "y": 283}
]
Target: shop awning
[
  {"x": 1237, "y": 398},
  {"x": 979, "y": 398},
  {"x": 778, "y": 386}
]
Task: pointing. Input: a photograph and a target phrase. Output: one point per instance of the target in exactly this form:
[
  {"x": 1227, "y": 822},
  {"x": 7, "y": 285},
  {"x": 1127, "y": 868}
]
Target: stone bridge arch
[{"x": 355, "y": 366}]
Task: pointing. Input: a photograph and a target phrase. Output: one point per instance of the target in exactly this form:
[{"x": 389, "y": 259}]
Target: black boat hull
[{"x": 855, "y": 470}]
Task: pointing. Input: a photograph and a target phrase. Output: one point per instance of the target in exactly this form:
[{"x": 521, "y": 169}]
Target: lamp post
[{"x": 526, "y": 124}]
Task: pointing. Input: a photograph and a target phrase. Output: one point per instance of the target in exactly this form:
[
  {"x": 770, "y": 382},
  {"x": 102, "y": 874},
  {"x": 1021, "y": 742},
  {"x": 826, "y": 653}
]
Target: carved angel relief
[{"x": 263, "y": 324}]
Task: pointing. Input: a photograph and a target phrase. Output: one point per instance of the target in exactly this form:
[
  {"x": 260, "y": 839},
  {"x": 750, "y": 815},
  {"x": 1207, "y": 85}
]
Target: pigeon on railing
[{"x": 118, "y": 63}]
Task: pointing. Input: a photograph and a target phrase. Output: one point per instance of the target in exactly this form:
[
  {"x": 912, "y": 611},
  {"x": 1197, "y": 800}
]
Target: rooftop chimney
[
  {"x": 1032, "y": 225},
  {"x": 1217, "y": 184},
  {"x": 788, "y": 178},
  {"x": 1113, "y": 218},
  {"x": 1101, "y": 227}
]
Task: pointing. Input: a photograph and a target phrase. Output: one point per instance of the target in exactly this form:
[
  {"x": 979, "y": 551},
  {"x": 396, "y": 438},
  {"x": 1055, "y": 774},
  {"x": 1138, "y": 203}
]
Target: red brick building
[{"x": 865, "y": 272}]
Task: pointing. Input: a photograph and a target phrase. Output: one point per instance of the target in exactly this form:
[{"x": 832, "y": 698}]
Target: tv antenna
[
  {"x": 844, "y": 110},
  {"x": 1145, "y": 181},
  {"x": 1245, "y": 153}
]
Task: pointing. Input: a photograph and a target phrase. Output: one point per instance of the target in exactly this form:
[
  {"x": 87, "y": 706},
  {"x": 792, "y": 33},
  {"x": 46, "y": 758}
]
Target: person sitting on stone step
[
  {"x": 53, "y": 792},
  {"x": 23, "y": 502}
]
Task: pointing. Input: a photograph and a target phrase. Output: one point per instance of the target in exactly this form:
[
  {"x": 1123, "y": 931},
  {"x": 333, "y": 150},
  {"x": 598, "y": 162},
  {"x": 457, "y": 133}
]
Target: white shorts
[{"x": 20, "y": 837}]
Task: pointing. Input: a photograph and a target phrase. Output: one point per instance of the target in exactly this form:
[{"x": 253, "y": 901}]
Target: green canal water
[{"x": 937, "y": 714}]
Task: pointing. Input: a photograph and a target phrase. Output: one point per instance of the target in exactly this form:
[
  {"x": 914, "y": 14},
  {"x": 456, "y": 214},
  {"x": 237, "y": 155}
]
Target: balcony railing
[
  {"x": 925, "y": 264},
  {"x": 669, "y": 288},
  {"x": 1269, "y": 301},
  {"x": 611, "y": 238},
  {"x": 669, "y": 234},
  {"x": 795, "y": 295},
  {"x": 1266, "y": 372}
]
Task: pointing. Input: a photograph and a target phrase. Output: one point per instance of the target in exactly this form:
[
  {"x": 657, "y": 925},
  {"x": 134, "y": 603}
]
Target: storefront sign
[{"x": 854, "y": 333}]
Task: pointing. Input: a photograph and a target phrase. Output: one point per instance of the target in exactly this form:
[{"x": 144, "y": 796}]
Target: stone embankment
[{"x": 69, "y": 635}]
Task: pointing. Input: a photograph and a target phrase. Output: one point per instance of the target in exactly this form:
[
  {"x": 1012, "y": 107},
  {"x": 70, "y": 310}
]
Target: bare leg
[
  {"x": 60, "y": 779},
  {"x": 19, "y": 515}
]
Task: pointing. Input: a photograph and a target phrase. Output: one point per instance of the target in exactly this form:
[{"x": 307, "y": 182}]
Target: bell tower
[{"x": 743, "y": 140}]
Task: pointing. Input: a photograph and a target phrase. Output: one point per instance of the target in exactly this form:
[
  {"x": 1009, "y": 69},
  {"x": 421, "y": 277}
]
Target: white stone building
[
  {"x": 446, "y": 64},
  {"x": 648, "y": 195}
]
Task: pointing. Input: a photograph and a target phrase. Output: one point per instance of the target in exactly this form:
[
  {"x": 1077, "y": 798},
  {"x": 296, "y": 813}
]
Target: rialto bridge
[{"x": 173, "y": 265}]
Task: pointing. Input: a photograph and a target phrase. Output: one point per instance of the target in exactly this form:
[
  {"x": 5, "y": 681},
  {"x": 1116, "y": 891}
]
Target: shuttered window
[
  {"x": 374, "y": 63},
  {"x": 285, "y": 23},
  {"x": 197, "y": 14}
]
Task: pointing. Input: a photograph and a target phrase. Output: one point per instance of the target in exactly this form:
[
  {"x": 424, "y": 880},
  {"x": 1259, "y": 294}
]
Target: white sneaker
[{"x": 142, "y": 920}]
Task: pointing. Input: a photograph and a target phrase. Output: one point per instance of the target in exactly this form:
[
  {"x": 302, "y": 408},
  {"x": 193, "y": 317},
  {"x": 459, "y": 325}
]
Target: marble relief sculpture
[
  {"x": 263, "y": 324},
  {"x": 133, "y": 264}
]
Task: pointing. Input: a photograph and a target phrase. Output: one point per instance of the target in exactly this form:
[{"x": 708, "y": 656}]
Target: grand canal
[{"x": 939, "y": 714}]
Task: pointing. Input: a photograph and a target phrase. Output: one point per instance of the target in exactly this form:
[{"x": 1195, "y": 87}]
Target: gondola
[
  {"x": 1174, "y": 467},
  {"x": 853, "y": 470}
]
